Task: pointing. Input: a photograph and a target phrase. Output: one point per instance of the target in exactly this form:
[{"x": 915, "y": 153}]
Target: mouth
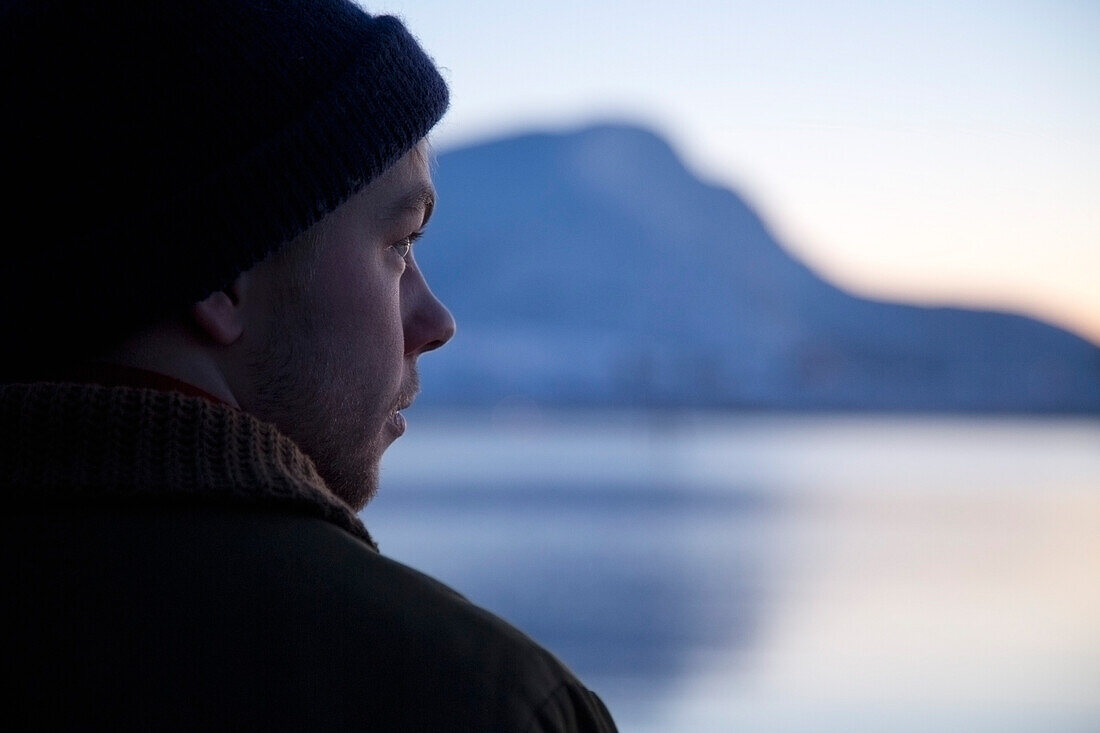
[
  {"x": 396, "y": 421},
  {"x": 411, "y": 388}
]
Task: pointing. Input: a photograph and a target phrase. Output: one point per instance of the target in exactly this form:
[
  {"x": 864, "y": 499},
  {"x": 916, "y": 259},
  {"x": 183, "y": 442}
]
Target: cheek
[{"x": 366, "y": 313}]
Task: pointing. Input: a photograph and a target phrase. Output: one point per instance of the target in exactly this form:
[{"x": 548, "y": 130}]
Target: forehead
[
  {"x": 402, "y": 195},
  {"x": 408, "y": 181}
]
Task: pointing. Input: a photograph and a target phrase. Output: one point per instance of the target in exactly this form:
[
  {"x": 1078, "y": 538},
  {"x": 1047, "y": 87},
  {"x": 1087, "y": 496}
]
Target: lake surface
[{"x": 728, "y": 573}]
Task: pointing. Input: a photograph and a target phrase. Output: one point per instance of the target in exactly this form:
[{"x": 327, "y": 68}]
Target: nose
[{"x": 427, "y": 322}]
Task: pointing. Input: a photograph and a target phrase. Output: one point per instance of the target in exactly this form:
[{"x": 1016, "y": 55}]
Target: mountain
[{"x": 592, "y": 268}]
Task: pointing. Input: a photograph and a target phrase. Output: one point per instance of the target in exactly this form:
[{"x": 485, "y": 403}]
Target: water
[{"x": 775, "y": 573}]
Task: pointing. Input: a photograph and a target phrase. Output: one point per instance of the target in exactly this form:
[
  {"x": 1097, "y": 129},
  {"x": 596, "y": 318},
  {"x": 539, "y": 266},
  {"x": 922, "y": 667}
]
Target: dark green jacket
[{"x": 172, "y": 564}]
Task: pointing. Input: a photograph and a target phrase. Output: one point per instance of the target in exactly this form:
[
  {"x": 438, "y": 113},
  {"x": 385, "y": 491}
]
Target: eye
[{"x": 404, "y": 247}]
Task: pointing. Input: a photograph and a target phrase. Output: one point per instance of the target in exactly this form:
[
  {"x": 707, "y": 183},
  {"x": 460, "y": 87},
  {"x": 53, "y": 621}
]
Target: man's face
[{"x": 334, "y": 355}]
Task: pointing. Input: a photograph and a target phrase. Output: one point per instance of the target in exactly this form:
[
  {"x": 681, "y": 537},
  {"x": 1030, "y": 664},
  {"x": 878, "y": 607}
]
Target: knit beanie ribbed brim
[{"x": 156, "y": 150}]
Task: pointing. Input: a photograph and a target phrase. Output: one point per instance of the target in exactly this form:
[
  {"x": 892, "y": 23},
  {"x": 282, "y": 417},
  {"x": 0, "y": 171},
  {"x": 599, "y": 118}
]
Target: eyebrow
[{"x": 420, "y": 200}]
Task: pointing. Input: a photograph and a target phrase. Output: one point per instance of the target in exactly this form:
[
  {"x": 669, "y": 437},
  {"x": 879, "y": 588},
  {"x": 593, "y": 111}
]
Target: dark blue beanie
[{"x": 153, "y": 151}]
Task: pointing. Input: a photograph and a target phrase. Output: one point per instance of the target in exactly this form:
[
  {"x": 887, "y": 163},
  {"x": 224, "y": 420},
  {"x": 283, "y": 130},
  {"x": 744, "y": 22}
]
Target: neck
[
  {"x": 117, "y": 375},
  {"x": 171, "y": 352}
]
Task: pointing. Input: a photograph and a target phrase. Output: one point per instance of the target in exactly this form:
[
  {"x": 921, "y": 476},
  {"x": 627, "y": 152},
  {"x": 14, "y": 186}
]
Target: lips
[{"x": 396, "y": 421}]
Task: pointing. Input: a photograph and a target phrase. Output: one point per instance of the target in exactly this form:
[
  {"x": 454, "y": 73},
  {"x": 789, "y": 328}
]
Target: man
[{"x": 213, "y": 315}]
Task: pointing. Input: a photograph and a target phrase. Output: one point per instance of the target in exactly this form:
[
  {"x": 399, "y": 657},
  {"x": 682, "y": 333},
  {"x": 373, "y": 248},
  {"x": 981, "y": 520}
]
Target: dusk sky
[{"x": 928, "y": 152}]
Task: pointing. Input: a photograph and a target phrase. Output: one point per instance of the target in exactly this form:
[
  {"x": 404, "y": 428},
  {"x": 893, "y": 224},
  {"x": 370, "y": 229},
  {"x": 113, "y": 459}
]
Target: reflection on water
[{"x": 782, "y": 574}]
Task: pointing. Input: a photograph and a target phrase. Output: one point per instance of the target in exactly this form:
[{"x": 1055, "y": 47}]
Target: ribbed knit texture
[
  {"x": 156, "y": 150},
  {"x": 64, "y": 442}
]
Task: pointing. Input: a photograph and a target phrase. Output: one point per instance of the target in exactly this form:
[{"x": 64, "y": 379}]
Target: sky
[{"x": 929, "y": 152}]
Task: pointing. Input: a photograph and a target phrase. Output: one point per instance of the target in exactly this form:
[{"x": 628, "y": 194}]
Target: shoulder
[
  {"x": 471, "y": 661},
  {"x": 220, "y": 615}
]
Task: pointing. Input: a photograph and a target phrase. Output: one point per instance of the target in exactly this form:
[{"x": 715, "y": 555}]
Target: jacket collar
[{"x": 64, "y": 441}]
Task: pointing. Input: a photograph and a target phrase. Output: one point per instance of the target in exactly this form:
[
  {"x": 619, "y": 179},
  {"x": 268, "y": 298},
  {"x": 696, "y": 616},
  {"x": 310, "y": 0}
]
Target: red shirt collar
[{"x": 115, "y": 375}]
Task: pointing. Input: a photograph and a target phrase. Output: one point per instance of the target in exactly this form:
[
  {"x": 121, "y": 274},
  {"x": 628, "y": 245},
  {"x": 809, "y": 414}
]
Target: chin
[
  {"x": 355, "y": 490},
  {"x": 350, "y": 471}
]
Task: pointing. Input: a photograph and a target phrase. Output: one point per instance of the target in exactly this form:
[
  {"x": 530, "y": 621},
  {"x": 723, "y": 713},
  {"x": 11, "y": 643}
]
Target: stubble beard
[{"x": 304, "y": 392}]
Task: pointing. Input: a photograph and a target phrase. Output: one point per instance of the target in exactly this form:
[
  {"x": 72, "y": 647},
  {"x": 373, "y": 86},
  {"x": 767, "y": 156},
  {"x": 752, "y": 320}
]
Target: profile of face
[{"x": 333, "y": 335}]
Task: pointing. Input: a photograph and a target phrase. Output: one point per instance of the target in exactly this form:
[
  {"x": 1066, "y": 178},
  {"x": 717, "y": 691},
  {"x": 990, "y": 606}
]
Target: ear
[{"x": 220, "y": 315}]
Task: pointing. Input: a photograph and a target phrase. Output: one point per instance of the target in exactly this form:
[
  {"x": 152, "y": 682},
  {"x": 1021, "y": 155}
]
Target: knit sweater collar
[{"x": 85, "y": 442}]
